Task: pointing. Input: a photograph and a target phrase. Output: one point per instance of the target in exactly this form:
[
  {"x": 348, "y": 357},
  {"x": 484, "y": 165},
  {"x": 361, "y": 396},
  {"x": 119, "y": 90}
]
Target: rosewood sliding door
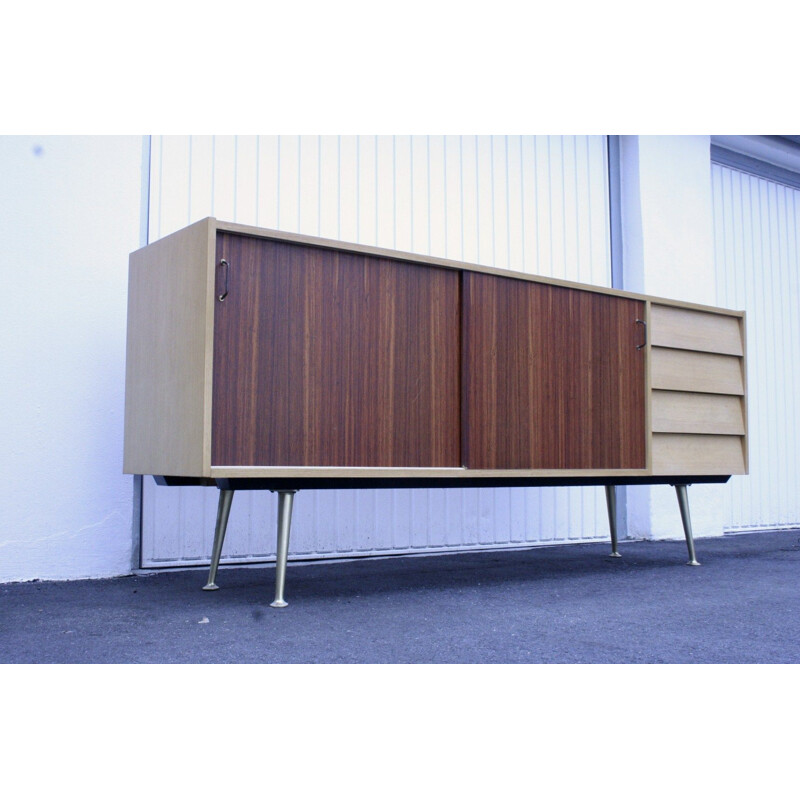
[
  {"x": 328, "y": 358},
  {"x": 552, "y": 378}
]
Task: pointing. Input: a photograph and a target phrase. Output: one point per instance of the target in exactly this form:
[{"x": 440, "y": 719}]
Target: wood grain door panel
[
  {"x": 552, "y": 378},
  {"x": 327, "y": 358}
]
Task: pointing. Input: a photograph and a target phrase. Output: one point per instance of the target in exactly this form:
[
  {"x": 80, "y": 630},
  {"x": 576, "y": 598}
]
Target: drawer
[
  {"x": 690, "y": 412},
  {"x": 689, "y": 454},
  {"x": 686, "y": 329},
  {"x": 687, "y": 371}
]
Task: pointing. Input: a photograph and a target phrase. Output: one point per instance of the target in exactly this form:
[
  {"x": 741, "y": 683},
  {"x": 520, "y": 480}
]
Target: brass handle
[
  {"x": 644, "y": 325},
  {"x": 224, "y": 264}
]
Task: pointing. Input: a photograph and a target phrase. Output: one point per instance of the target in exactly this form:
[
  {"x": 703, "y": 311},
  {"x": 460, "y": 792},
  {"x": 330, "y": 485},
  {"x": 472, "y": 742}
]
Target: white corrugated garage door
[
  {"x": 756, "y": 227},
  {"x": 535, "y": 204}
]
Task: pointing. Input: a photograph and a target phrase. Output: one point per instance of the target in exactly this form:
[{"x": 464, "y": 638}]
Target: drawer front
[
  {"x": 698, "y": 392},
  {"x": 686, "y": 329},
  {"x": 686, "y": 371},
  {"x": 687, "y": 454},
  {"x": 692, "y": 412}
]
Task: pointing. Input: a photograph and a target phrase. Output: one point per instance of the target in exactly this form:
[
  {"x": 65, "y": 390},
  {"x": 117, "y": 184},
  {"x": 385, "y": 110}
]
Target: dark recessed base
[{"x": 295, "y": 484}]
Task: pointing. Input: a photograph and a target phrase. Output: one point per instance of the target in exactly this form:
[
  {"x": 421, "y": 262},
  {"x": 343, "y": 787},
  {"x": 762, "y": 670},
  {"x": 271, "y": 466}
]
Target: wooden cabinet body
[{"x": 326, "y": 361}]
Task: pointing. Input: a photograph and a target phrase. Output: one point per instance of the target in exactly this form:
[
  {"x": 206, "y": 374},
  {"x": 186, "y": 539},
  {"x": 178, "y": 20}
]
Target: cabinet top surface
[{"x": 216, "y": 226}]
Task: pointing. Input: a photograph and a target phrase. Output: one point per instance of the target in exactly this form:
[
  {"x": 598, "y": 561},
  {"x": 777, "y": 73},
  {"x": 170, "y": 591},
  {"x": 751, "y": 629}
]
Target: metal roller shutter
[
  {"x": 535, "y": 204},
  {"x": 756, "y": 226}
]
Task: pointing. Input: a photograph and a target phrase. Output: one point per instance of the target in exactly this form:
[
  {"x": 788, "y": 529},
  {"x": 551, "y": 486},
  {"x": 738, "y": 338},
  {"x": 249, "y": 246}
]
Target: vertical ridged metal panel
[
  {"x": 756, "y": 226},
  {"x": 536, "y": 204}
]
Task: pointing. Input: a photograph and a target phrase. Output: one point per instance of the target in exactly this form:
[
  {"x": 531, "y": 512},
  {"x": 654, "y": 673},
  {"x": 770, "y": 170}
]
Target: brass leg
[
  {"x": 284, "y": 524},
  {"x": 223, "y": 512},
  {"x": 611, "y": 502},
  {"x": 683, "y": 503}
]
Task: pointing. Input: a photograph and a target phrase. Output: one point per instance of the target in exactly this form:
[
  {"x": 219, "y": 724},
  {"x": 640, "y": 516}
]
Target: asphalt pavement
[{"x": 562, "y": 604}]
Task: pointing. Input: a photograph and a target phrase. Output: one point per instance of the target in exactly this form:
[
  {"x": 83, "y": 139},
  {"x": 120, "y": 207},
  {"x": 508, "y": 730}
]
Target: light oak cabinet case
[{"x": 259, "y": 359}]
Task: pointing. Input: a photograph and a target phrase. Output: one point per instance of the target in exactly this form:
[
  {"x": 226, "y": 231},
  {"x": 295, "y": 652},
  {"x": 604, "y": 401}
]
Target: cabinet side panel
[
  {"x": 553, "y": 379},
  {"x": 166, "y": 355},
  {"x": 327, "y": 358}
]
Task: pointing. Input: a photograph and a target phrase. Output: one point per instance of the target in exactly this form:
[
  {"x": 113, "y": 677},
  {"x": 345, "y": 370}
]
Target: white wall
[
  {"x": 668, "y": 251},
  {"x": 69, "y": 216}
]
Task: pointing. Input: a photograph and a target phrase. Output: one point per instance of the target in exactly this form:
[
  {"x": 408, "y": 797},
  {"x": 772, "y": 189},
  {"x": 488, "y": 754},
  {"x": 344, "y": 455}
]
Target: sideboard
[{"x": 260, "y": 359}]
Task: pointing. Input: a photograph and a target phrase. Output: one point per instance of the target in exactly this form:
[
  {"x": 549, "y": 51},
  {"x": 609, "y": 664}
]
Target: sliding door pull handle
[
  {"x": 644, "y": 326},
  {"x": 224, "y": 264}
]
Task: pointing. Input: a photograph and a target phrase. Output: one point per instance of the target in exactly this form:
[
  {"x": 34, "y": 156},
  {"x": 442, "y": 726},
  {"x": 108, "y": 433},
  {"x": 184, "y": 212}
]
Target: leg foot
[
  {"x": 611, "y": 503},
  {"x": 683, "y": 503},
  {"x": 223, "y": 512},
  {"x": 285, "y": 500}
]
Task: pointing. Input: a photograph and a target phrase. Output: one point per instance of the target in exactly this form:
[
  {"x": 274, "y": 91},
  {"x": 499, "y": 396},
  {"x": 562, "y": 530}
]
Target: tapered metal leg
[
  {"x": 223, "y": 512},
  {"x": 611, "y": 503},
  {"x": 284, "y": 524},
  {"x": 683, "y": 503}
]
